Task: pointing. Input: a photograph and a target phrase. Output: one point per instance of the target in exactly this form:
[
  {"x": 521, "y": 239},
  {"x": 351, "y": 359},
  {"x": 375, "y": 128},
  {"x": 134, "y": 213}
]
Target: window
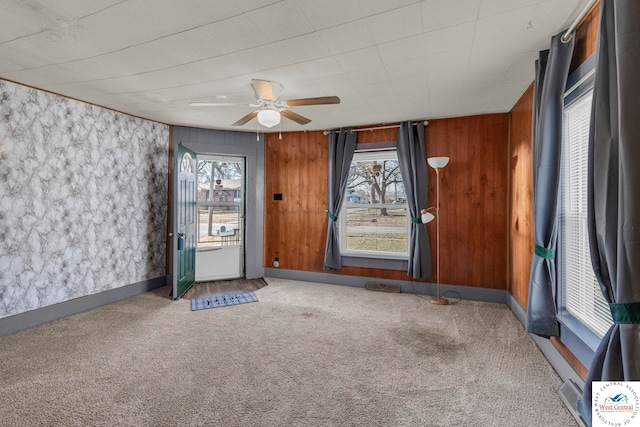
[
  {"x": 581, "y": 295},
  {"x": 374, "y": 220},
  {"x": 220, "y": 201}
]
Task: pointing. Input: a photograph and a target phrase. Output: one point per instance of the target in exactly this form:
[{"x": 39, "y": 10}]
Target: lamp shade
[
  {"x": 268, "y": 118},
  {"x": 438, "y": 162}
]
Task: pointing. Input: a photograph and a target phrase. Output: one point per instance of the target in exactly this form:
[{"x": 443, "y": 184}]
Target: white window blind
[{"x": 582, "y": 295}]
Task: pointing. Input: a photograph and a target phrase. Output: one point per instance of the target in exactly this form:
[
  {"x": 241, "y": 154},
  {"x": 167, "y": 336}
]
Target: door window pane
[{"x": 220, "y": 204}]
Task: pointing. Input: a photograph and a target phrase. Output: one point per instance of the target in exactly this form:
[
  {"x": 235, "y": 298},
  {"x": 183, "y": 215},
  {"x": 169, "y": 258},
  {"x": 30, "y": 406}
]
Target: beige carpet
[{"x": 305, "y": 355}]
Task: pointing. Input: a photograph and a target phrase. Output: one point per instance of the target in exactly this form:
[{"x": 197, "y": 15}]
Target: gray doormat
[
  {"x": 383, "y": 287},
  {"x": 222, "y": 300},
  {"x": 224, "y": 287}
]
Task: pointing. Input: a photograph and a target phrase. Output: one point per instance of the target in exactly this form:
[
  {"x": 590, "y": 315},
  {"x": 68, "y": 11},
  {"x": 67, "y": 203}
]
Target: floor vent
[
  {"x": 570, "y": 393},
  {"x": 383, "y": 287}
]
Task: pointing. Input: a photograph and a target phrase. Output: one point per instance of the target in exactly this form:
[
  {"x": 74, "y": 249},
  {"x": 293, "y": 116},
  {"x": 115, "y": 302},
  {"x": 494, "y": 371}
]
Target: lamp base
[{"x": 439, "y": 301}]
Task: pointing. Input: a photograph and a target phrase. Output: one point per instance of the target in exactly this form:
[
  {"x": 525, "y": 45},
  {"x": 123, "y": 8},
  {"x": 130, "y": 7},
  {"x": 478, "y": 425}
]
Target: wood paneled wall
[
  {"x": 586, "y": 37},
  {"x": 473, "y": 196},
  {"x": 521, "y": 243},
  {"x": 296, "y": 226}
]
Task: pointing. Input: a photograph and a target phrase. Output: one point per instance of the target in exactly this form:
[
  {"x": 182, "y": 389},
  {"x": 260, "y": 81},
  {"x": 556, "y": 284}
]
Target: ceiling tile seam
[
  {"x": 248, "y": 75},
  {"x": 66, "y": 20},
  {"x": 364, "y": 17},
  {"x": 475, "y": 29},
  {"x": 335, "y": 25},
  {"x": 520, "y": 43},
  {"x": 519, "y": 49},
  {"x": 510, "y": 10},
  {"x": 563, "y": 28},
  {"x": 395, "y": 8},
  {"x": 386, "y": 73},
  {"x": 208, "y": 58},
  {"x": 122, "y": 49},
  {"x": 424, "y": 2},
  {"x": 428, "y": 98},
  {"x": 175, "y": 65},
  {"x": 181, "y": 64}
]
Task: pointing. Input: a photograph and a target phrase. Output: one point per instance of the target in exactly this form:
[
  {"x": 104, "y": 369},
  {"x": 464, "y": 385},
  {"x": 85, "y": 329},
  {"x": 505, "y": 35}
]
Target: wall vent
[
  {"x": 383, "y": 287},
  {"x": 570, "y": 393}
]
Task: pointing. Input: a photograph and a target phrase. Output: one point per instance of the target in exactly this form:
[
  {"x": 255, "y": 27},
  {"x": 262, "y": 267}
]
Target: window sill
[
  {"x": 578, "y": 338},
  {"x": 376, "y": 261}
]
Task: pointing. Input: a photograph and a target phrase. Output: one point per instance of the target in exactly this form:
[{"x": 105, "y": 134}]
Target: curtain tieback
[
  {"x": 332, "y": 216},
  {"x": 625, "y": 313},
  {"x": 545, "y": 253},
  {"x": 417, "y": 220}
]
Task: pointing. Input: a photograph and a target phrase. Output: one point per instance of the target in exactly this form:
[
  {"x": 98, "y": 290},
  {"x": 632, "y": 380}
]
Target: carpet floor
[{"x": 307, "y": 354}]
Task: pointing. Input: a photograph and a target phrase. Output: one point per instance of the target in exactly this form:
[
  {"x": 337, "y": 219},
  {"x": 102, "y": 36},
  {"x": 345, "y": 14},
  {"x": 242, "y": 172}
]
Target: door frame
[
  {"x": 241, "y": 144},
  {"x": 242, "y": 218}
]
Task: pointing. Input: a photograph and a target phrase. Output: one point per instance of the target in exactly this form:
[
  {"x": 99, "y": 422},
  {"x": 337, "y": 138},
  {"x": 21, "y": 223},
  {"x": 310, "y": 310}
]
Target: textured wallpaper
[{"x": 83, "y": 199}]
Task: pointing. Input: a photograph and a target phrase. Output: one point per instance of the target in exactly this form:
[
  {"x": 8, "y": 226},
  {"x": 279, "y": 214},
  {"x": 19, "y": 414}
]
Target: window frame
[
  {"x": 241, "y": 203},
  {"x": 575, "y": 335},
  {"x": 373, "y": 259}
]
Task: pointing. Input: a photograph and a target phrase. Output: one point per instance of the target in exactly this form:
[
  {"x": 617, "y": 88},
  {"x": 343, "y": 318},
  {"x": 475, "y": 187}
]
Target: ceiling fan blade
[
  {"x": 313, "y": 101},
  {"x": 295, "y": 117},
  {"x": 245, "y": 119},
  {"x": 263, "y": 89}
]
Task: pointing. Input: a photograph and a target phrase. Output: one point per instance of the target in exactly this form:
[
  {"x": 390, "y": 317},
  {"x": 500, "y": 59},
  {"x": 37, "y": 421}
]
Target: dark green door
[{"x": 186, "y": 221}]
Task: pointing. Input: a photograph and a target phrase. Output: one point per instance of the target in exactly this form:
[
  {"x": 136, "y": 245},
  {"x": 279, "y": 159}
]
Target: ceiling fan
[{"x": 269, "y": 109}]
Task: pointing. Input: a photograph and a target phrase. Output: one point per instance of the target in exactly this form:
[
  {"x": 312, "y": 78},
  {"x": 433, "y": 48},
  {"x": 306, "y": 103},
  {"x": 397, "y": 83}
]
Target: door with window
[
  {"x": 220, "y": 217},
  {"x": 185, "y": 219}
]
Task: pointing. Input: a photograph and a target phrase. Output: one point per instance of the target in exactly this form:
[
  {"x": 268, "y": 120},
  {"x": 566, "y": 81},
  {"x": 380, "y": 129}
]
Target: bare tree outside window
[
  {"x": 374, "y": 218},
  {"x": 219, "y": 188},
  {"x": 379, "y": 179}
]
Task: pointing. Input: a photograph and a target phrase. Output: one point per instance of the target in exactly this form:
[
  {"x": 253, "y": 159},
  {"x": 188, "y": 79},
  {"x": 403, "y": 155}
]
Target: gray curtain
[
  {"x": 541, "y": 310},
  {"x": 614, "y": 193},
  {"x": 342, "y": 145},
  {"x": 413, "y": 167},
  {"x": 541, "y": 68}
]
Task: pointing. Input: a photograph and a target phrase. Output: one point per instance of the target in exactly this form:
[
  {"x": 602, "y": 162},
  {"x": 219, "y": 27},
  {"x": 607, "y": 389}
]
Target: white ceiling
[{"x": 388, "y": 60}]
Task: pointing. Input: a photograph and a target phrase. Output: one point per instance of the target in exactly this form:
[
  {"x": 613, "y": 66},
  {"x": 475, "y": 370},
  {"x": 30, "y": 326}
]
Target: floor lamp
[{"x": 436, "y": 163}]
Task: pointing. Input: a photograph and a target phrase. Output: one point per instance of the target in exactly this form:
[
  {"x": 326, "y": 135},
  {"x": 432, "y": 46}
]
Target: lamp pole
[{"x": 438, "y": 163}]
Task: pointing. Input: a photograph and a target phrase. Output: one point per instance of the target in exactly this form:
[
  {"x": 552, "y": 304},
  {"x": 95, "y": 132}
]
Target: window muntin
[{"x": 374, "y": 219}]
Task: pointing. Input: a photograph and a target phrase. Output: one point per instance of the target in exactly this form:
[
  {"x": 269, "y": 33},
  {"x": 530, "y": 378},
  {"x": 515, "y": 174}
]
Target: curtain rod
[
  {"x": 567, "y": 35},
  {"x": 326, "y": 132}
]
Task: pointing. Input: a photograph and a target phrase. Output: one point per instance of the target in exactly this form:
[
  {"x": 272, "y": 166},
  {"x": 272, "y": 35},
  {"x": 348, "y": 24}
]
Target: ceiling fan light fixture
[{"x": 268, "y": 118}]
